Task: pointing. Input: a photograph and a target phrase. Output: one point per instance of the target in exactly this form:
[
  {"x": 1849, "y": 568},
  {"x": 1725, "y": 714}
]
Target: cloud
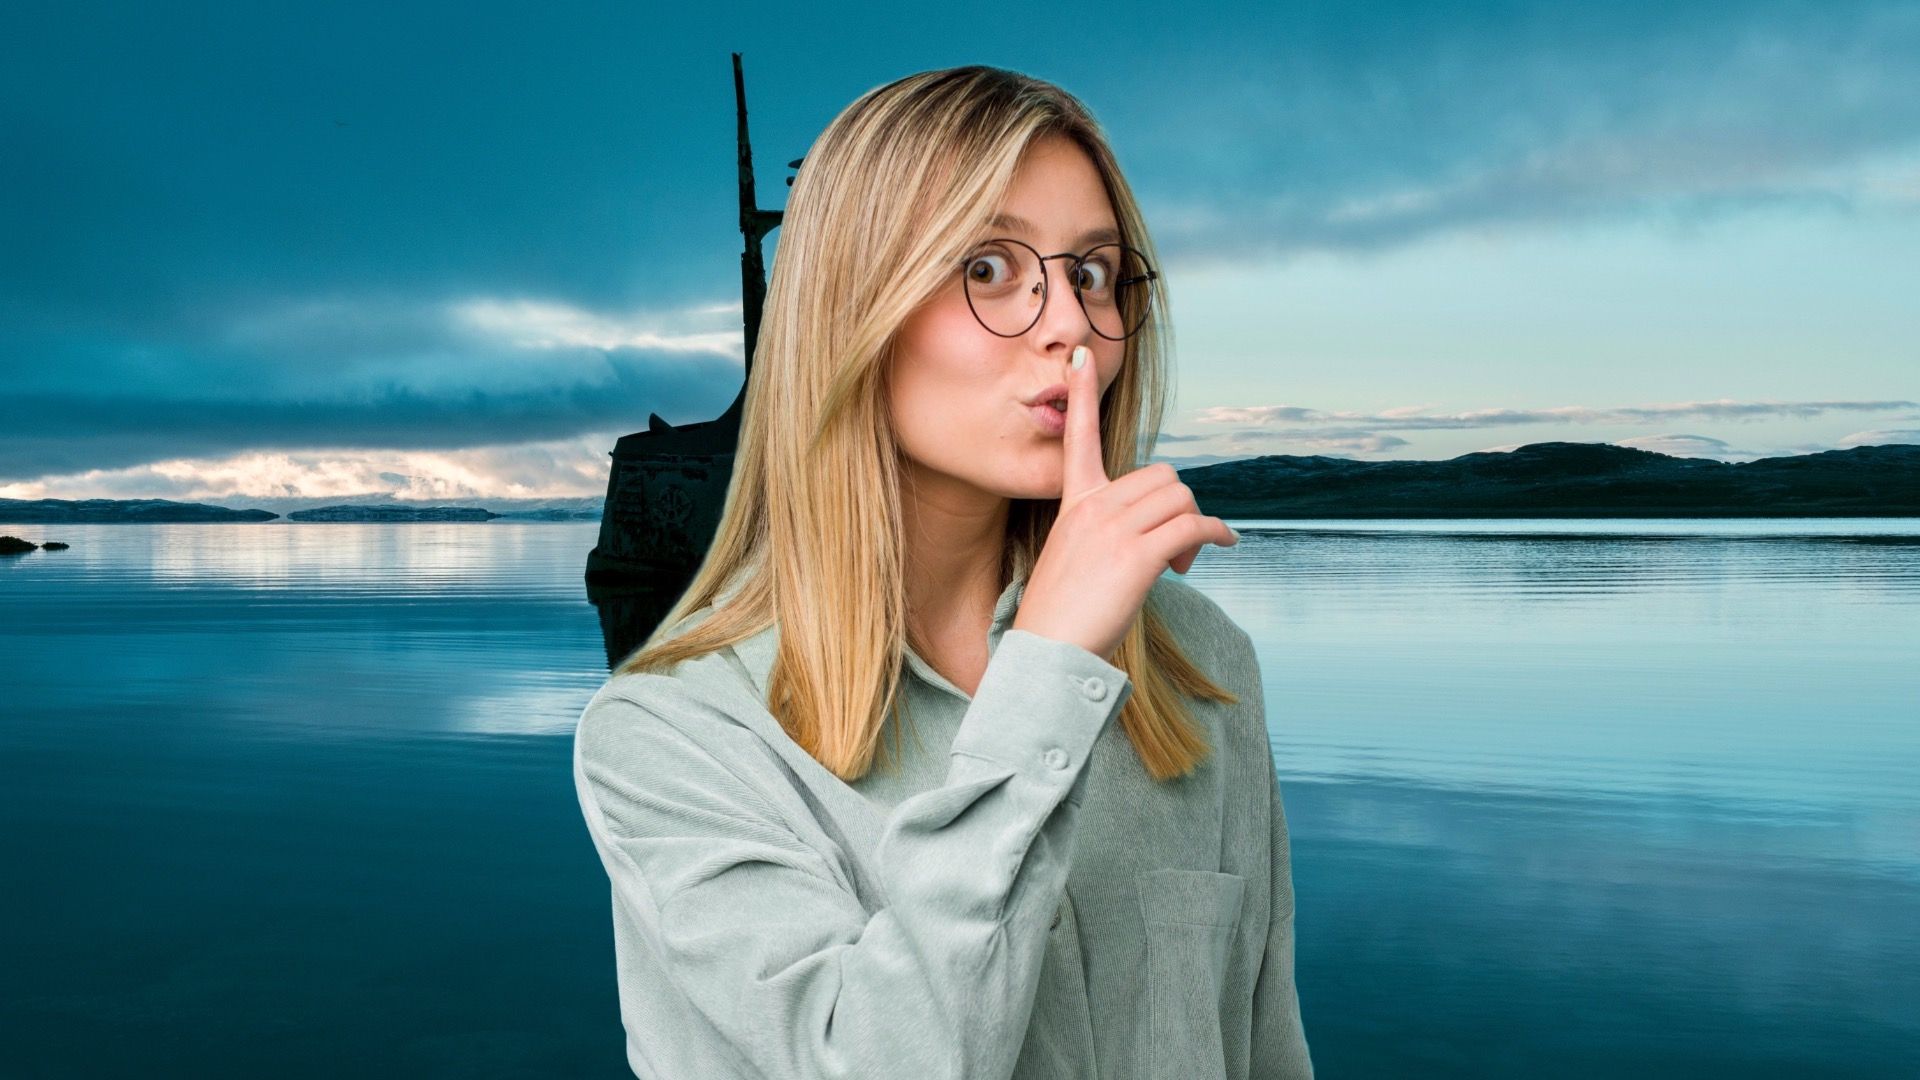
[
  {"x": 1468, "y": 119},
  {"x": 1305, "y": 430},
  {"x": 366, "y": 374},
  {"x": 1706, "y": 446},
  {"x": 532, "y": 324},
  {"x": 1676, "y": 445},
  {"x": 1415, "y": 418},
  {"x": 1349, "y": 447},
  {"x": 1880, "y": 437},
  {"x": 573, "y": 467},
  {"x": 1198, "y": 459},
  {"x": 1336, "y": 441}
]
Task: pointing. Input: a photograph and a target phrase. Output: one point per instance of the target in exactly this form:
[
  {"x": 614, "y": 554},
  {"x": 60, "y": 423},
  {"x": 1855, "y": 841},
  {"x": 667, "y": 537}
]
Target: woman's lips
[{"x": 1049, "y": 420}]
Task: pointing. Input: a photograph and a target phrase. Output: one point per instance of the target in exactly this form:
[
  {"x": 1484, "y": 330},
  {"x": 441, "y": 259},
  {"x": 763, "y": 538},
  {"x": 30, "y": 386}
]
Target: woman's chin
[
  {"x": 1029, "y": 475},
  {"x": 1041, "y": 487}
]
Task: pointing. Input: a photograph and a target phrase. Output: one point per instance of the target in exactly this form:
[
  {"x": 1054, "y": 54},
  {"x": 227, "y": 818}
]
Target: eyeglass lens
[{"x": 1006, "y": 287}]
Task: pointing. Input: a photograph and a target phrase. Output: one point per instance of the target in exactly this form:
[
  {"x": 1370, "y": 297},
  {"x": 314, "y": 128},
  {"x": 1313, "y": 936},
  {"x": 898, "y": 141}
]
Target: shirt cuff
[{"x": 1040, "y": 706}]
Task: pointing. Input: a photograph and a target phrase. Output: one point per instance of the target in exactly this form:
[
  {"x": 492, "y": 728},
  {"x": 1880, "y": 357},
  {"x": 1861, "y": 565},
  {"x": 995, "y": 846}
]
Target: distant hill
[
  {"x": 392, "y": 512},
  {"x": 63, "y": 511},
  {"x": 553, "y": 513},
  {"x": 1565, "y": 479},
  {"x": 42, "y": 511},
  {"x": 551, "y": 508}
]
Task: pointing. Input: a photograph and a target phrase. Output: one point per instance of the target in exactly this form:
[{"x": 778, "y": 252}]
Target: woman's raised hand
[{"x": 1112, "y": 538}]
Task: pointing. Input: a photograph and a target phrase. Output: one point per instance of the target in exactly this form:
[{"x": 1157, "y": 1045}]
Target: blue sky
[{"x": 453, "y": 251}]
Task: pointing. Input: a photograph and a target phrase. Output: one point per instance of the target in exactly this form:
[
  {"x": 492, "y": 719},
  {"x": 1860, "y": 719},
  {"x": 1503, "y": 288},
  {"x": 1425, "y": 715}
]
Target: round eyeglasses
[{"x": 1004, "y": 277}]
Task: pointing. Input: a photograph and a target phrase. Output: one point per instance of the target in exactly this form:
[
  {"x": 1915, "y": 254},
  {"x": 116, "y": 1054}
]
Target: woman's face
[{"x": 958, "y": 389}]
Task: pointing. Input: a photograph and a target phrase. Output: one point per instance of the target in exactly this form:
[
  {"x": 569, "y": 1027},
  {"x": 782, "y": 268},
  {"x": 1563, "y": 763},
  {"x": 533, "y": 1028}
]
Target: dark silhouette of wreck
[{"x": 668, "y": 484}]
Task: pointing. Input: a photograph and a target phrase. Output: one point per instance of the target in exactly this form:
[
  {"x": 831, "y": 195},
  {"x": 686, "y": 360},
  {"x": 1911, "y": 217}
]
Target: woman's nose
[{"x": 1062, "y": 303}]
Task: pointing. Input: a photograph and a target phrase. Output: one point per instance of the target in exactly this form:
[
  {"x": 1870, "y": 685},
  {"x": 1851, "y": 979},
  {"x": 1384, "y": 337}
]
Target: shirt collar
[{"x": 757, "y": 653}]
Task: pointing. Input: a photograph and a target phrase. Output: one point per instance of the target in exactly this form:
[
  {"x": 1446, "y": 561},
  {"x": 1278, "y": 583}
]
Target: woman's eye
[
  {"x": 987, "y": 268},
  {"x": 1094, "y": 275}
]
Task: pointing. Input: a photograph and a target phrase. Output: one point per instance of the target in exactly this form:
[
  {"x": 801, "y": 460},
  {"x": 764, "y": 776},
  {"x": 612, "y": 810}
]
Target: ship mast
[
  {"x": 667, "y": 484},
  {"x": 755, "y": 224}
]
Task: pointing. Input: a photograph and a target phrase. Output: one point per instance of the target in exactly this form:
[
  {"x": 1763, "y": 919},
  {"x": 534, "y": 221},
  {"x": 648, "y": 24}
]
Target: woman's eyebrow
[{"x": 1014, "y": 221}]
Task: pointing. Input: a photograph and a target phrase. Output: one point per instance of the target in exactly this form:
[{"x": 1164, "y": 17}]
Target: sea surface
[{"x": 1567, "y": 798}]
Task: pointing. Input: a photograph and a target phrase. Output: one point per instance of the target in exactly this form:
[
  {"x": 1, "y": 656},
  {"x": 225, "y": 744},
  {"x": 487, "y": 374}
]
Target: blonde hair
[{"x": 883, "y": 206}]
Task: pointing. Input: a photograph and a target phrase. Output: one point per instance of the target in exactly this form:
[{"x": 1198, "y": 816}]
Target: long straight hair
[{"x": 884, "y": 205}]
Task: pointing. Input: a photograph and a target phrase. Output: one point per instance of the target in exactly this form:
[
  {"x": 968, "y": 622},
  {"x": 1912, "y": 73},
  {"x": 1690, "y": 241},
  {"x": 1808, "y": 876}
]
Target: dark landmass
[
  {"x": 391, "y": 512},
  {"x": 1565, "y": 479},
  {"x": 13, "y": 545},
  {"x": 552, "y": 513},
  {"x": 587, "y": 506},
  {"x": 63, "y": 511},
  {"x": 39, "y": 511}
]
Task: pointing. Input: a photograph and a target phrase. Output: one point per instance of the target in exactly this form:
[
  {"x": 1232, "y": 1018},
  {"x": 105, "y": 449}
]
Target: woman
[{"x": 1079, "y": 868}]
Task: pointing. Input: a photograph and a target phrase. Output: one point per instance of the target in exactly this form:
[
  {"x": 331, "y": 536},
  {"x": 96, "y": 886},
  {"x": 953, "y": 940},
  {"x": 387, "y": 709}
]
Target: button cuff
[{"x": 1032, "y": 709}]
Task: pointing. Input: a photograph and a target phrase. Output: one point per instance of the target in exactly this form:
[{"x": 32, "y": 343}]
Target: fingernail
[
  {"x": 1235, "y": 532},
  {"x": 1079, "y": 357}
]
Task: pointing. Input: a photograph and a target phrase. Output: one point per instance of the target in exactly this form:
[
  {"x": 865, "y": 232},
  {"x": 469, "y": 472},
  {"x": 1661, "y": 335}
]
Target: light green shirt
[{"x": 1015, "y": 898}]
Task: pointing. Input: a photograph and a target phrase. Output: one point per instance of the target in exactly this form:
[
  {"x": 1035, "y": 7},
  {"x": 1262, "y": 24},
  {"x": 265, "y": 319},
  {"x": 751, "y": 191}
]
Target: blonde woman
[{"x": 934, "y": 771}]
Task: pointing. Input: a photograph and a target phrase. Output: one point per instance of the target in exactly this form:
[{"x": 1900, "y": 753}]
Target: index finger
[{"x": 1084, "y": 470}]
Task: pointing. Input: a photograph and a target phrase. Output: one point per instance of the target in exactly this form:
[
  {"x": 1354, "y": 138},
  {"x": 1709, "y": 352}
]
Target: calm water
[{"x": 1567, "y": 798}]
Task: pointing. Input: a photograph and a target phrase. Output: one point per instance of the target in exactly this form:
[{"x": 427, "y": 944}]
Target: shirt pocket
[{"x": 1191, "y": 917}]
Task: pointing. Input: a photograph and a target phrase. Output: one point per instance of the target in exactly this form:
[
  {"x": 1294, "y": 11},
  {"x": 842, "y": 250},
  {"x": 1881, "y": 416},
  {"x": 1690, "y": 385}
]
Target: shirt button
[
  {"x": 1095, "y": 688},
  {"x": 1055, "y": 758}
]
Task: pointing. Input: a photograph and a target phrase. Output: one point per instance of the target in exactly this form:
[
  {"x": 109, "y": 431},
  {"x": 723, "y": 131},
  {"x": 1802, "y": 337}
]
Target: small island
[
  {"x": 392, "y": 512},
  {"x": 552, "y": 513}
]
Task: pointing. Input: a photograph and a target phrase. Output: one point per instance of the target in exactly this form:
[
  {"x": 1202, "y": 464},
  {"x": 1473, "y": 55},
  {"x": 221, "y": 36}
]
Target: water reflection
[{"x": 1608, "y": 799}]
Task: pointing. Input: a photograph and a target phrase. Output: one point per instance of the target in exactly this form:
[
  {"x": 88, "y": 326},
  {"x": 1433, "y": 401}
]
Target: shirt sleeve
[
  {"x": 763, "y": 936},
  {"x": 1279, "y": 1047}
]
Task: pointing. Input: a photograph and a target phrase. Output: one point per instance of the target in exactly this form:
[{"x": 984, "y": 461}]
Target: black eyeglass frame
[{"x": 1046, "y": 293}]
